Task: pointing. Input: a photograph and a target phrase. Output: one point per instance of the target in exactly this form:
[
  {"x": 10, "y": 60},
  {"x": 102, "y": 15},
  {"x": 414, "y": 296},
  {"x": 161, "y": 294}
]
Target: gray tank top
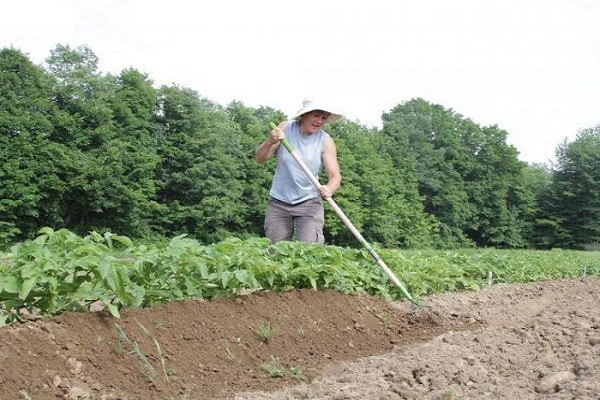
[{"x": 290, "y": 183}]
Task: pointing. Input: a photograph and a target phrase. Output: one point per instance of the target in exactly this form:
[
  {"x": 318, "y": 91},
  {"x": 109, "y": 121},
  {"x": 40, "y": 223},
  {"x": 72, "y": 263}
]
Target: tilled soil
[{"x": 526, "y": 341}]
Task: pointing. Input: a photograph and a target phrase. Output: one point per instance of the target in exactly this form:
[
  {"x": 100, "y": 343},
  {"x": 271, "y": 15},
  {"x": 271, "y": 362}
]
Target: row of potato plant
[{"x": 60, "y": 271}]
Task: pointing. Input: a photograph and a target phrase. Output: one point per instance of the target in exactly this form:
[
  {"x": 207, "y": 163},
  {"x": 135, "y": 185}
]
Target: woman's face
[{"x": 313, "y": 121}]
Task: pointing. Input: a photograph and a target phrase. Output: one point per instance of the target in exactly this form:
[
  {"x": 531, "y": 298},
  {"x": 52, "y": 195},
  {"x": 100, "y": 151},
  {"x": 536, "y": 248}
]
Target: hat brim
[{"x": 332, "y": 116}]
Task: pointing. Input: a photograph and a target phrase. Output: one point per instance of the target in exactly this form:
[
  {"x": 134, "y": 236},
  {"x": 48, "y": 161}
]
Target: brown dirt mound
[{"x": 531, "y": 341}]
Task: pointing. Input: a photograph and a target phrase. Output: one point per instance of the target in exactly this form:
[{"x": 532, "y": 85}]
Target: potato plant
[{"x": 59, "y": 271}]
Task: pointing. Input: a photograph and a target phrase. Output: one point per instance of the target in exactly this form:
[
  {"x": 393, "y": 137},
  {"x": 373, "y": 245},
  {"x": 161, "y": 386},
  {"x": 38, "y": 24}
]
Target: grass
[
  {"x": 147, "y": 368},
  {"x": 450, "y": 395},
  {"x": 264, "y": 330},
  {"x": 25, "y": 395},
  {"x": 296, "y": 373},
  {"x": 274, "y": 368}
]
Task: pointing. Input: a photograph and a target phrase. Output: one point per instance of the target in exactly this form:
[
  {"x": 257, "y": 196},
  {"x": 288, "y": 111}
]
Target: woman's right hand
[{"x": 277, "y": 134}]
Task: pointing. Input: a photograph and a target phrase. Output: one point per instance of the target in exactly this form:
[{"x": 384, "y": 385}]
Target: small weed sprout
[
  {"x": 296, "y": 373},
  {"x": 188, "y": 392},
  {"x": 231, "y": 347},
  {"x": 264, "y": 330},
  {"x": 273, "y": 368},
  {"x": 120, "y": 350},
  {"x": 158, "y": 349},
  {"x": 276, "y": 370},
  {"x": 450, "y": 395},
  {"x": 230, "y": 355},
  {"x": 147, "y": 367},
  {"x": 24, "y": 394}
]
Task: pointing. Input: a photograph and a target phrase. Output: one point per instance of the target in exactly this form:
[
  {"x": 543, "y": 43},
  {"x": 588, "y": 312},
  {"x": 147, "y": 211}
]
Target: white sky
[{"x": 532, "y": 67}]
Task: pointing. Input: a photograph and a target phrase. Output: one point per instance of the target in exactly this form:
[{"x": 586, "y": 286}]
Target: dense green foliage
[
  {"x": 60, "y": 271},
  {"x": 92, "y": 152},
  {"x": 574, "y": 193}
]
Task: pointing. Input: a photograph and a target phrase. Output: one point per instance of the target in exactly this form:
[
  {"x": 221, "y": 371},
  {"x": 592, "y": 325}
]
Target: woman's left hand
[{"x": 324, "y": 191}]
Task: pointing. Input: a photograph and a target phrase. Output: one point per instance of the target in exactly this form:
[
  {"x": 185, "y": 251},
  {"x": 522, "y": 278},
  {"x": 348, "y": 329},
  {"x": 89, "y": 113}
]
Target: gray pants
[{"x": 305, "y": 219}]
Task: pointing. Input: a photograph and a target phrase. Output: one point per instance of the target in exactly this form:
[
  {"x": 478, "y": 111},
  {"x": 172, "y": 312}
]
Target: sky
[{"x": 530, "y": 67}]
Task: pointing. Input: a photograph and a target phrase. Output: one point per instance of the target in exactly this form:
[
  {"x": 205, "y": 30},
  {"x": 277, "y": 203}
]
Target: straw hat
[{"x": 309, "y": 105}]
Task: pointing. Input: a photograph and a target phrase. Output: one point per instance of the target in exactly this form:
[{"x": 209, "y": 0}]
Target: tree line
[{"x": 100, "y": 152}]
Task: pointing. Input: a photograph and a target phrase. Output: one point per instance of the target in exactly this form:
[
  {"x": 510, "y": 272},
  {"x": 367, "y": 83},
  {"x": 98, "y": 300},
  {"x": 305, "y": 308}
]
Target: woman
[{"x": 295, "y": 208}]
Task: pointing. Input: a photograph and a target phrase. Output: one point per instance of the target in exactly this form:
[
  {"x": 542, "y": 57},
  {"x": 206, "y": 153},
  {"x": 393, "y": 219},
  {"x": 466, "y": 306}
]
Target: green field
[{"x": 60, "y": 271}]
